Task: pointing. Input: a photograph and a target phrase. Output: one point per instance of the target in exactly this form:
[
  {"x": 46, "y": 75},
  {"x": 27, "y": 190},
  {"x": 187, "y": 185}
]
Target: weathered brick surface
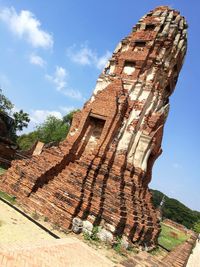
[
  {"x": 180, "y": 255},
  {"x": 60, "y": 253},
  {"x": 178, "y": 226},
  {"x": 102, "y": 170},
  {"x": 143, "y": 259}
]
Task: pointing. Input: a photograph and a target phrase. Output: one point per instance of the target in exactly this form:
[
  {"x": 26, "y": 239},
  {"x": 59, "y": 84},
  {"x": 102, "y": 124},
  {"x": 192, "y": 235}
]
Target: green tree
[
  {"x": 68, "y": 118},
  {"x": 156, "y": 197},
  {"x": 5, "y": 104},
  {"x": 21, "y": 119},
  {"x": 51, "y": 130},
  {"x": 196, "y": 226},
  {"x": 26, "y": 141},
  {"x": 175, "y": 210}
]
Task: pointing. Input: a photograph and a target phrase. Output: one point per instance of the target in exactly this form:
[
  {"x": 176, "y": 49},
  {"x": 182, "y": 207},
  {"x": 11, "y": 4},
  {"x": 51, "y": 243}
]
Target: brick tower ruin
[{"x": 101, "y": 172}]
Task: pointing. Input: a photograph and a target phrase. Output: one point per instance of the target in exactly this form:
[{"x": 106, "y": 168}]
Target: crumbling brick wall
[
  {"x": 102, "y": 170},
  {"x": 177, "y": 226},
  {"x": 179, "y": 256}
]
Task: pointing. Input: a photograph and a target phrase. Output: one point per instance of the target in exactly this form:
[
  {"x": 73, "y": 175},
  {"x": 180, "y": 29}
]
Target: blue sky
[{"x": 53, "y": 51}]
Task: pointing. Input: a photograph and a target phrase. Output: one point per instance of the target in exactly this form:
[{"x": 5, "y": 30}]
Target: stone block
[
  {"x": 105, "y": 236},
  {"x": 87, "y": 227},
  {"x": 77, "y": 225}
]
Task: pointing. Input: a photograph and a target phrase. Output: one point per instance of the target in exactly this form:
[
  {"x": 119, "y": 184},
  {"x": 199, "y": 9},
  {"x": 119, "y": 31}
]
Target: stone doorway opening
[{"x": 93, "y": 135}]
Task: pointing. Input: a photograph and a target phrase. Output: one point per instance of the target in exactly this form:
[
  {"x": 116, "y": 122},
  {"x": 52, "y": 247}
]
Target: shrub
[
  {"x": 11, "y": 199},
  {"x": 35, "y": 216},
  {"x": 196, "y": 227},
  {"x": 93, "y": 236}
]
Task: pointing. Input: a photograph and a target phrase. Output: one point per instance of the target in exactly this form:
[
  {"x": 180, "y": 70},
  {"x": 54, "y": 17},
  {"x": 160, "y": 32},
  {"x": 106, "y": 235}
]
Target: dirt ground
[{"x": 15, "y": 228}]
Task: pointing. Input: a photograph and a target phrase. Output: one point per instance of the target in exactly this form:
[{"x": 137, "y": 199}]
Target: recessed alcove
[
  {"x": 150, "y": 27},
  {"x": 95, "y": 126},
  {"x": 139, "y": 46},
  {"x": 129, "y": 67}
]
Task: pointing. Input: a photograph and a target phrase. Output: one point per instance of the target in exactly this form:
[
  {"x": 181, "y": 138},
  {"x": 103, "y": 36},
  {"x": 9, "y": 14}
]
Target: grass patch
[
  {"x": 93, "y": 237},
  {"x": 2, "y": 170},
  {"x": 170, "y": 237},
  {"x": 156, "y": 251},
  {"x": 159, "y": 253},
  {"x": 119, "y": 248},
  {"x": 7, "y": 197}
]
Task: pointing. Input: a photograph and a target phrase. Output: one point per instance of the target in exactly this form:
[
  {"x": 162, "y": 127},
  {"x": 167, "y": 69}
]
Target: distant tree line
[
  {"x": 51, "y": 130},
  {"x": 177, "y": 211}
]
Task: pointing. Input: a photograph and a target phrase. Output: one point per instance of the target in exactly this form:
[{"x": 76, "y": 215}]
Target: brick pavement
[{"x": 67, "y": 252}]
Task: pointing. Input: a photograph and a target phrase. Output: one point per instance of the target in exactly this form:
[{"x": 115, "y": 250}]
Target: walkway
[
  {"x": 194, "y": 260},
  {"x": 66, "y": 252},
  {"x": 24, "y": 244},
  {"x": 15, "y": 228}
]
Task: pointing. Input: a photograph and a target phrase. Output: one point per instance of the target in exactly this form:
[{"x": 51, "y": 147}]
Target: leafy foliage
[
  {"x": 51, "y": 130},
  {"x": 21, "y": 119},
  {"x": 175, "y": 210},
  {"x": 93, "y": 236},
  {"x": 26, "y": 141},
  {"x": 8, "y": 197},
  {"x": 196, "y": 226},
  {"x": 2, "y": 170},
  {"x": 5, "y": 104},
  {"x": 68, "y": 118},
  {"x": 118, "y": 246},
  {"x": 95, "y": 231}
]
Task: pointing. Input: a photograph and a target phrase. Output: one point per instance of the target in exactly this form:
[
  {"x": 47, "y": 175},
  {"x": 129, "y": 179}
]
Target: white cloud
[
  {"x": 59, "y": 79},
  {"x": 101, "y": 61},
  {"x": 67, "y": 109},
  {"x": 39, "y": 116},
  {"x": 25, "y": 25},
  {"x": 37, "y": 60},
  {"x": 86, "y": 56}
]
